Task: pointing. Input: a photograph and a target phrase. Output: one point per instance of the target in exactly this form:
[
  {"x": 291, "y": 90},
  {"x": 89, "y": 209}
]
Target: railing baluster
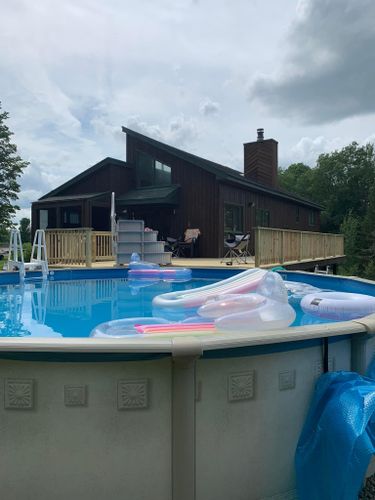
[
  {"x": 78, "y": 246},
  {"x": 279, "y": 246}
]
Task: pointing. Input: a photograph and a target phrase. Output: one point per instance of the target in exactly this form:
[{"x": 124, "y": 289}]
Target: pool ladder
[{"x": 38, "y": 260}]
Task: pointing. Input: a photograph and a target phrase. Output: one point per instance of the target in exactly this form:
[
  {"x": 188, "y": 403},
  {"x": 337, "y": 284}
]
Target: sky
[{"x": 201, "y": 75}]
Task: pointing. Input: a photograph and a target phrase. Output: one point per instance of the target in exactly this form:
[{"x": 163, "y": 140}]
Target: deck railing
[
  {"x": 285, "y": 246},
  {"x": 78, "y": 246}
]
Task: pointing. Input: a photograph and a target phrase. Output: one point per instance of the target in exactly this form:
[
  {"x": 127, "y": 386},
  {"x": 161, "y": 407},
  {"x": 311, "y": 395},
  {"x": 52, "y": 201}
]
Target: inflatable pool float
[
  {"x": 176, "y": 328},
  {"x": 141, "y": 270},
  {"x": 339, "y": 306},
  {"x": 297, "y": 290},
  {"x": 165, "y": 274},
  {"x": 244, "y": 282},
  {"x": 125, "y": 327},
  {"x": 144, "y": 327},
  {"x": 266, "y": 309}
]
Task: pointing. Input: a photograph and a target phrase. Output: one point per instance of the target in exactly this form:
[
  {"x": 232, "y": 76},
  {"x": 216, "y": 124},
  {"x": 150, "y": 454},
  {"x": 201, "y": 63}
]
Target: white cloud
[
  {"x": 178, "y": 131},
  {"x": 327, "y": 70},
  {"x": 72, "y": 73},
  {"x": 370, "y": 138},
  {"x": 209, "y": 108},
  {"x": 308, "y": 149}
]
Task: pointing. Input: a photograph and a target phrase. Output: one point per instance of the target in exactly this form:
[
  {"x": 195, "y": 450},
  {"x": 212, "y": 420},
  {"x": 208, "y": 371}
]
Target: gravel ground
[{"x": 368, "y": 491}]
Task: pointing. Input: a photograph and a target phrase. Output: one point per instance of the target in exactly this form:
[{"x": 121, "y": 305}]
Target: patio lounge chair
[
  {"x": 237, "y": 249},
  {"x": 186, "y": 246}
]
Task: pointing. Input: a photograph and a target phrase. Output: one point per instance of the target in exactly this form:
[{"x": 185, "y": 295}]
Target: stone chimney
[{"x": 260, "y": 160}]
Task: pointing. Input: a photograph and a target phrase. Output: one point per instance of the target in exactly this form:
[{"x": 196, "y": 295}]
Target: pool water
[{"x": 74, "y": 308}]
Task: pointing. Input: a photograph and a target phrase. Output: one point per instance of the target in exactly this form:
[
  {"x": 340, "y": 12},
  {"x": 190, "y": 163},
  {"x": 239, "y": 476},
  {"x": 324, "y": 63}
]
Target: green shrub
[{"x": 26, "y": 251}]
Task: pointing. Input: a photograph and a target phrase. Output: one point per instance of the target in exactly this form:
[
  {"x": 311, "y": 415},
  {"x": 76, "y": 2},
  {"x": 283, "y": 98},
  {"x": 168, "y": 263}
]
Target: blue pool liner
[{"x": 338, "y": 438}]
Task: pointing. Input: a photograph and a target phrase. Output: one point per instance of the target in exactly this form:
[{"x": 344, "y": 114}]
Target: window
[
  {"x": 233, "y": 218},
  {"x": 145, "y": 169},
  {"x": 162, "y": 173},
  {"x": 151, "y": 172},
  {"x": 312, "y": 218},
  {"x": 262, "y": 217},
  {"x": 71, "y": 217}
]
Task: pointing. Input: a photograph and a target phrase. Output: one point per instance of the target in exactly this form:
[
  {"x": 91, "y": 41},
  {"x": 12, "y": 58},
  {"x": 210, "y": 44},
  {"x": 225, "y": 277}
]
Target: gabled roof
[
  {"x": 82, "y": 175},
  {"x": 222, "y": 173}
]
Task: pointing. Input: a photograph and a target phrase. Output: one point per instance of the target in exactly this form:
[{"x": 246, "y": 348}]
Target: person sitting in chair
[{"x": 186, "y": 246}]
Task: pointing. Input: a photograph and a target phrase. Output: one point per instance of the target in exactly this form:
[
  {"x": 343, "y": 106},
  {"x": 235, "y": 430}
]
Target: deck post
[
  {"x": 88, "y": 249},
  {"x": 185, "y": 353},
  {"x": 94, "y": 252},
  {"x": 257, "y": 247}
]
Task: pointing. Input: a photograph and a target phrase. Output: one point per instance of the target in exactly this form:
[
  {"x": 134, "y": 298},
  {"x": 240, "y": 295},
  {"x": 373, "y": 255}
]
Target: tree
[
  {"x": 351, "y": 229},
  {"x": 297, "y": 179},
  {"x": 11, "y": 167},
  {"x": 25, "y": 229},
  {"x": 342, "y": 181}
]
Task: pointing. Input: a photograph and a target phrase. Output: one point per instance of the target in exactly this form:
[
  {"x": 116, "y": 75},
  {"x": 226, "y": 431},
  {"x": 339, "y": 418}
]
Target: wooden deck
[
  {"x": 215, "y": 264},
  {"x": 273, "y": 247},
  {"x": 178, "y": 262}
]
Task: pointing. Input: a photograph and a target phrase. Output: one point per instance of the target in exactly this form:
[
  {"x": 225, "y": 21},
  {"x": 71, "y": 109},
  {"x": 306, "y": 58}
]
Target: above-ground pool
[
  {"x": 73, "y": 308},
  {"x": 208, "y": 418}
]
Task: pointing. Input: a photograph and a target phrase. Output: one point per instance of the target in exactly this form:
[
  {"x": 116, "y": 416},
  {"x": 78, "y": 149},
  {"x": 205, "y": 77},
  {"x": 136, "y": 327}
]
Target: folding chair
[
  {"x": 187, "y": 246},
  {"x": 237, "y": 249}
]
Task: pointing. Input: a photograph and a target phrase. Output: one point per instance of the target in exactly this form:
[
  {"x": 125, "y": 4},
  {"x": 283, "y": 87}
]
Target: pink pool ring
[{"x": 157, "y": 273}]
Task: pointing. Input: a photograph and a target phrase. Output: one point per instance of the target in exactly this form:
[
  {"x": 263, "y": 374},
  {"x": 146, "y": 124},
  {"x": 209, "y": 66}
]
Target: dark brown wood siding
[
  {"x": 198, "y": 203},
  {"x": 201, "y": 200},
  {"x": 110, "y": 177},
  {"x": 283, "y": 213}
]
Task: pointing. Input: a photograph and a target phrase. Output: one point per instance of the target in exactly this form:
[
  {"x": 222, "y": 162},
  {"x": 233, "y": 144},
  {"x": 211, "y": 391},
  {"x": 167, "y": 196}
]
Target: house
[{"x": 172, "y": 190}]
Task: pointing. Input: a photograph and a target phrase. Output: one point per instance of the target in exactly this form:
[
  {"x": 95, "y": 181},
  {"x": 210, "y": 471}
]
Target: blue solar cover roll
[{"x": 338, "y": 438}]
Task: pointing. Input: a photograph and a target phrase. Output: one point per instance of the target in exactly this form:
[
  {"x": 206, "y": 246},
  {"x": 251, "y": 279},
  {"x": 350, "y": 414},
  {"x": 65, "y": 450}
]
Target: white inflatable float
[
  {"x": 148, "y": 271},
  {"x": 265, "y": 309},
  {"x": 297, "y": 290},
  {"x": 247, "y": 281},
  {"x": 339, "y": 306}
]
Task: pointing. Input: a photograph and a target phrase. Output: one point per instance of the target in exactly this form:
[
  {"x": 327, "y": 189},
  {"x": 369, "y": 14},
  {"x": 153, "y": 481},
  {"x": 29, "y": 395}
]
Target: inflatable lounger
[{"x": 244, "y": 282}]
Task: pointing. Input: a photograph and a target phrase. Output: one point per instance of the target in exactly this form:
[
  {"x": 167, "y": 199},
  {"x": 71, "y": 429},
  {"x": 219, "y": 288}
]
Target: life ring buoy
[{"x": 338, "y": 305}]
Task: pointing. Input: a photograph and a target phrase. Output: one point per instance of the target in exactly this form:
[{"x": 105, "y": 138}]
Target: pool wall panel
[
  {"x": 249, "y": 421},
  {"x": 59, "y": 449}
]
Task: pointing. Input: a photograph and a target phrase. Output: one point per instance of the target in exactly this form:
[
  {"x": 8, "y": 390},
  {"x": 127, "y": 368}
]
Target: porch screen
[{"x": 233, "y": 218}]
